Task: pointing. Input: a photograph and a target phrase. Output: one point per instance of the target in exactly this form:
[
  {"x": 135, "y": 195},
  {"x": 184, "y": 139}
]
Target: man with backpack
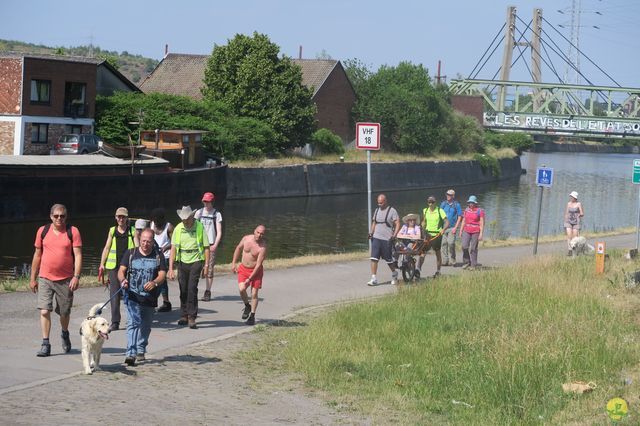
[
  {"x": 434, "y": 222},
  {"x": 142, "y": 269},
  {"x": 55, "y": 273},
  {"x": 120, "y": 238},
  {"x": 385, "y": 225},
  {"x": 454, "y": 214},
  {"x": 212, "y": 221}
]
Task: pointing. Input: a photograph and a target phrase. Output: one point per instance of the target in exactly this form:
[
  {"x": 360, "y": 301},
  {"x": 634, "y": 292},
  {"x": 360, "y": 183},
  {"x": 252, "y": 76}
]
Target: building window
[
  {"x": 74, "y": 99},
  {"x": 39, "y": 133},
  {"x": 40, "y": 91},
  {"x": 72, "y": 128}
]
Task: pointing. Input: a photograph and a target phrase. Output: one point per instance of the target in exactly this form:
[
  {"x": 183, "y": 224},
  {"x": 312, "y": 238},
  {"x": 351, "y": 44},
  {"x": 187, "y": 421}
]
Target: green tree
[
  {"x": 412, "y": 113},
  {"x": 225, "y": 134},
  {"x": 249, "y": 77},
  {"x": 324, "y": 141}
]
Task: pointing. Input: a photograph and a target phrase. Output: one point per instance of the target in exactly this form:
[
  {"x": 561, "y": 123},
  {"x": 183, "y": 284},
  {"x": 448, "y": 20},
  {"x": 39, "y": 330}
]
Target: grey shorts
[
  {"x": 48, "y": 289},
  {"x": 211, "y": 263}
]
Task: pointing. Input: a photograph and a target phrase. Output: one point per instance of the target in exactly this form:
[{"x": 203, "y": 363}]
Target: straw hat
[
  {"x": 410, "y": 216},
  {"x": 185, "y": 212}
]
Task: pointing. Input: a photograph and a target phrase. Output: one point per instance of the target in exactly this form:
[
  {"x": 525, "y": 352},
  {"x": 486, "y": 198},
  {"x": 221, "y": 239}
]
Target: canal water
[{"x": 336, "y": 224}]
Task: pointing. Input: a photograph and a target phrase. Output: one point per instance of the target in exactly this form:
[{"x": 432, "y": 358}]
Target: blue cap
[{"x": 472, "y": 199}]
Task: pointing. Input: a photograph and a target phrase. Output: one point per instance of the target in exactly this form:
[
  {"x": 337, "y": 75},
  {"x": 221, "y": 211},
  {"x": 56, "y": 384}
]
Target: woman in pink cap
[
  {"x": 212, "y": 221},
  {"x": 572, "y": 218}
]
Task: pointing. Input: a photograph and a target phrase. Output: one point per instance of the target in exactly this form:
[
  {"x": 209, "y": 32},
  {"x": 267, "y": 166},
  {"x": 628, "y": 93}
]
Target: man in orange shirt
[{"x": 57, "y": 262}]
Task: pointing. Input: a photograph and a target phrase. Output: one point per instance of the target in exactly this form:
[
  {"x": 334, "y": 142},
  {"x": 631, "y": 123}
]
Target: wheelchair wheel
[{"x": 408, "y": 269}]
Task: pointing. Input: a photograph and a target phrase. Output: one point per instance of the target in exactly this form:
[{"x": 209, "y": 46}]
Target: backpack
[
  {"x": 69, "y": 234},
  {"x": 375, "y": 217}
]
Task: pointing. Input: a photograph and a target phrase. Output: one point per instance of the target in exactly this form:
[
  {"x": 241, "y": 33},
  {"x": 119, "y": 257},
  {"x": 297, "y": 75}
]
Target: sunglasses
[
  {"x": 121, "y": 217},
  {"x": 430, "y": 202},
  {"x": 59, "y": 216}
]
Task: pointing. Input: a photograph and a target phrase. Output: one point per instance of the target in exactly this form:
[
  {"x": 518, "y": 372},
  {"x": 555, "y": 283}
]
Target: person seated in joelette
[{"x": 411, "y": 231}]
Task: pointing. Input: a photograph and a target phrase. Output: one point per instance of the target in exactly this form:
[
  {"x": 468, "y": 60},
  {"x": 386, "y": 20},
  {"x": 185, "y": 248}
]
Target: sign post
[
  {"x": 544, "y": 178},
  {"x": 368, "y": 138},
  {"x": 636, "y": 180},
  {"x": 600, "y": 254}
]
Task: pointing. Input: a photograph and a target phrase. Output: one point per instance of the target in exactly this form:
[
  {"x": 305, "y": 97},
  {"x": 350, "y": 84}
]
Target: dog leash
[{"x": 99, "y": 311}]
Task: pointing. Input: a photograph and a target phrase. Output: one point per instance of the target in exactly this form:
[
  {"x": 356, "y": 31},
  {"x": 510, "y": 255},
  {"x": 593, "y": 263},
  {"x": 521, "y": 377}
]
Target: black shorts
[
  {"x": 381, "y": 249},
  {"x": 435, "y": 243}
]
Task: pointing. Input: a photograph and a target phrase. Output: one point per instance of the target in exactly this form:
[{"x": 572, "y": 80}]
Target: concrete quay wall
[{"x": 351, "y": 178}]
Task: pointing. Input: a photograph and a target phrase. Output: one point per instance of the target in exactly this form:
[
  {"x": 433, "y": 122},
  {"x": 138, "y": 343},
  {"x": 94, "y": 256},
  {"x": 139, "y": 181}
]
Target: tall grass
[{"x": 481, "y": 348}]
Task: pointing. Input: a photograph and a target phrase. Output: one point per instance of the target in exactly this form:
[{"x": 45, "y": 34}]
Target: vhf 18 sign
[{"x": 368, "y": 136}]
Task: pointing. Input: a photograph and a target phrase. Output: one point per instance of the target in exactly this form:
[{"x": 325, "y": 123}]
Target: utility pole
[
  {"x": 536, "y": 72},
  {"x": 507, "y": 55}
]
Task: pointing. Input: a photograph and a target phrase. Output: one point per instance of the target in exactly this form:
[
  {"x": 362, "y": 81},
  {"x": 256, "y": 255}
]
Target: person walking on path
[
  {"x": 162, "y": 231},
  {"x": 212, "y": 221},
  {"x": 190, "y": 249},
  {"x": 253, "y": 249},
  {"x": 57, "y": 262},
  {"x": 385, "y": 225},
  {"x": 141, "y": 271},
  {"x": 573, "y": 214},
  {"x": 434, "y": 222},
  {"x": 454, "y": 214},
  {"x": 119, "y": 238},
  {"x": 471, "y": 231}
]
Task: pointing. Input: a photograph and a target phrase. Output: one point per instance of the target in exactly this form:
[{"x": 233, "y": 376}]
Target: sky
[{"x": 374, "y": 32}]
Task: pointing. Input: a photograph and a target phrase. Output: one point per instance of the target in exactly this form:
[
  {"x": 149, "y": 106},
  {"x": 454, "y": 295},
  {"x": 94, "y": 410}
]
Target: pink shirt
[
  {"x": 472, "y": 219},
  {"x": 57, "y": 261}
]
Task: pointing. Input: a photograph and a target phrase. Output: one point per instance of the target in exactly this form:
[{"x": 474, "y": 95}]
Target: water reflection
[{"x": 334, "y": 224}]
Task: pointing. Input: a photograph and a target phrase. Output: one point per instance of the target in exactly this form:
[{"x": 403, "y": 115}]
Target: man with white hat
[{"x": 190, "y": 248}]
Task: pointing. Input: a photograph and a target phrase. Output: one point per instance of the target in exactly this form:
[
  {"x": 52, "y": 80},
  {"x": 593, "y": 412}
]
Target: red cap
[{"x": 208, "y": 196}]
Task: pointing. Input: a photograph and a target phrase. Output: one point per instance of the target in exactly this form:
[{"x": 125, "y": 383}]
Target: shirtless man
[{"x": 254, "y": 250}]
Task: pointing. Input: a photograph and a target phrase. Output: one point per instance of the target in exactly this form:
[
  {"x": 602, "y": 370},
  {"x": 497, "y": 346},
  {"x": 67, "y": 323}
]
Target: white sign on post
[{"x": 368, "y": 136}]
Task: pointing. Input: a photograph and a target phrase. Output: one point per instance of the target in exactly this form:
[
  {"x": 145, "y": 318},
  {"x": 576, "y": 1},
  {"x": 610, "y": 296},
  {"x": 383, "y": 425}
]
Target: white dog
[
  {"x": 580, "y": 246},
  {"x": 94, "y": 331}
]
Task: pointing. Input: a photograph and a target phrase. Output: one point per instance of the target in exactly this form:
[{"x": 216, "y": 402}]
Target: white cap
[
  {"x": 574, "y": 194},
  {"x": 141, "y": 223}
]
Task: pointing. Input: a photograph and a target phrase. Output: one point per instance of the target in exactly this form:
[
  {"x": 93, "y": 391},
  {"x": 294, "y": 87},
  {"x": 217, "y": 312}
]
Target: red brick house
[
  {"x": 333, "y": 94},
  {"x": 45, "y": 96}
]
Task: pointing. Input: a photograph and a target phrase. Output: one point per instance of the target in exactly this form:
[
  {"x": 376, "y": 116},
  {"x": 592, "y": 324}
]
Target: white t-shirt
[{"x": 209, "y": 218}]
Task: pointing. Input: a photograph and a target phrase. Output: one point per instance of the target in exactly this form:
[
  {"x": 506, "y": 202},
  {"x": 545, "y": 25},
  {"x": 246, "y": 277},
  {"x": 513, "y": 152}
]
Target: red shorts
[{"x": 244, "y": 273}]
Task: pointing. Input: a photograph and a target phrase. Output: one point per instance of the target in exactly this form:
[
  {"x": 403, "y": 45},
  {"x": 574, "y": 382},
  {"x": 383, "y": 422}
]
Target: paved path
[{"x": 285, "y": 291}]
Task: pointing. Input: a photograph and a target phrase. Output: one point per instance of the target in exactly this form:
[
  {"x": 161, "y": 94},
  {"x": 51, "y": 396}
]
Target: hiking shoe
[
  {"x": 437, "y": 274},
  {"x": 207, "y": 296},
  {"x": 66, "y": 342},
  {"x": 130, "y": 361},
  {"x": 45, "y": 350},
  {"x": 246, "y": 311},
  {"x": 140, "y": 358},
  {"x": 416, "y": 275},
  {"x": 446, "y": 263},
  {"x": 372, "y": 282},
  {"x": 465, "y": 266},
  {"x": 192, "y": 323},
  {"x": 114, "y": 326},
  {"x": 251, "y": 320},
  {"x": 183, "y": 321},
  {"x": 166, "y": 307},
  {"x": 394, "y": 279}
]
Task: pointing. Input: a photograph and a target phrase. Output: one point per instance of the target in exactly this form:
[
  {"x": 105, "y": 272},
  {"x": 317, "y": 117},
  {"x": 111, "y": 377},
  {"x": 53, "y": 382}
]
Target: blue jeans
[{"x": 138, "y": 327}]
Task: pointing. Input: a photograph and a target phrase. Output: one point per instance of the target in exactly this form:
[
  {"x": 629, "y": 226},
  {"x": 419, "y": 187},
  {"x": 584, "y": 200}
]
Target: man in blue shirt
[{"x": 454, "y": 213}]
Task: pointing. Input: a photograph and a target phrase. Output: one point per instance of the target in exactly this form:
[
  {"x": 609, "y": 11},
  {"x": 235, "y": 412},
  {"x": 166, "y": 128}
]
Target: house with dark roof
[
  {"x": 333, "y": 94},
  {"x": 45, "y": 96}
]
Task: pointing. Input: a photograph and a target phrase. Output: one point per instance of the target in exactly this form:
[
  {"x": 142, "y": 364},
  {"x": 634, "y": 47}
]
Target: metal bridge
[{"x": 555, "y": 108}]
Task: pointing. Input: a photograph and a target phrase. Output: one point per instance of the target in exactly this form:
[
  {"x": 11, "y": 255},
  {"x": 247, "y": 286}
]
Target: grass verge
[{"x": 492, "y": 347}]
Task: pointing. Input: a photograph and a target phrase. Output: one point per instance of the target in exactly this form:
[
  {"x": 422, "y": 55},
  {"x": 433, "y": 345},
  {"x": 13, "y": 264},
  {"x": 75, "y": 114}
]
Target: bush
[
  {"x": 324, "y": 141},
  {"x": 488, "y": 163},
  {"x": 517, "y": 141}
]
